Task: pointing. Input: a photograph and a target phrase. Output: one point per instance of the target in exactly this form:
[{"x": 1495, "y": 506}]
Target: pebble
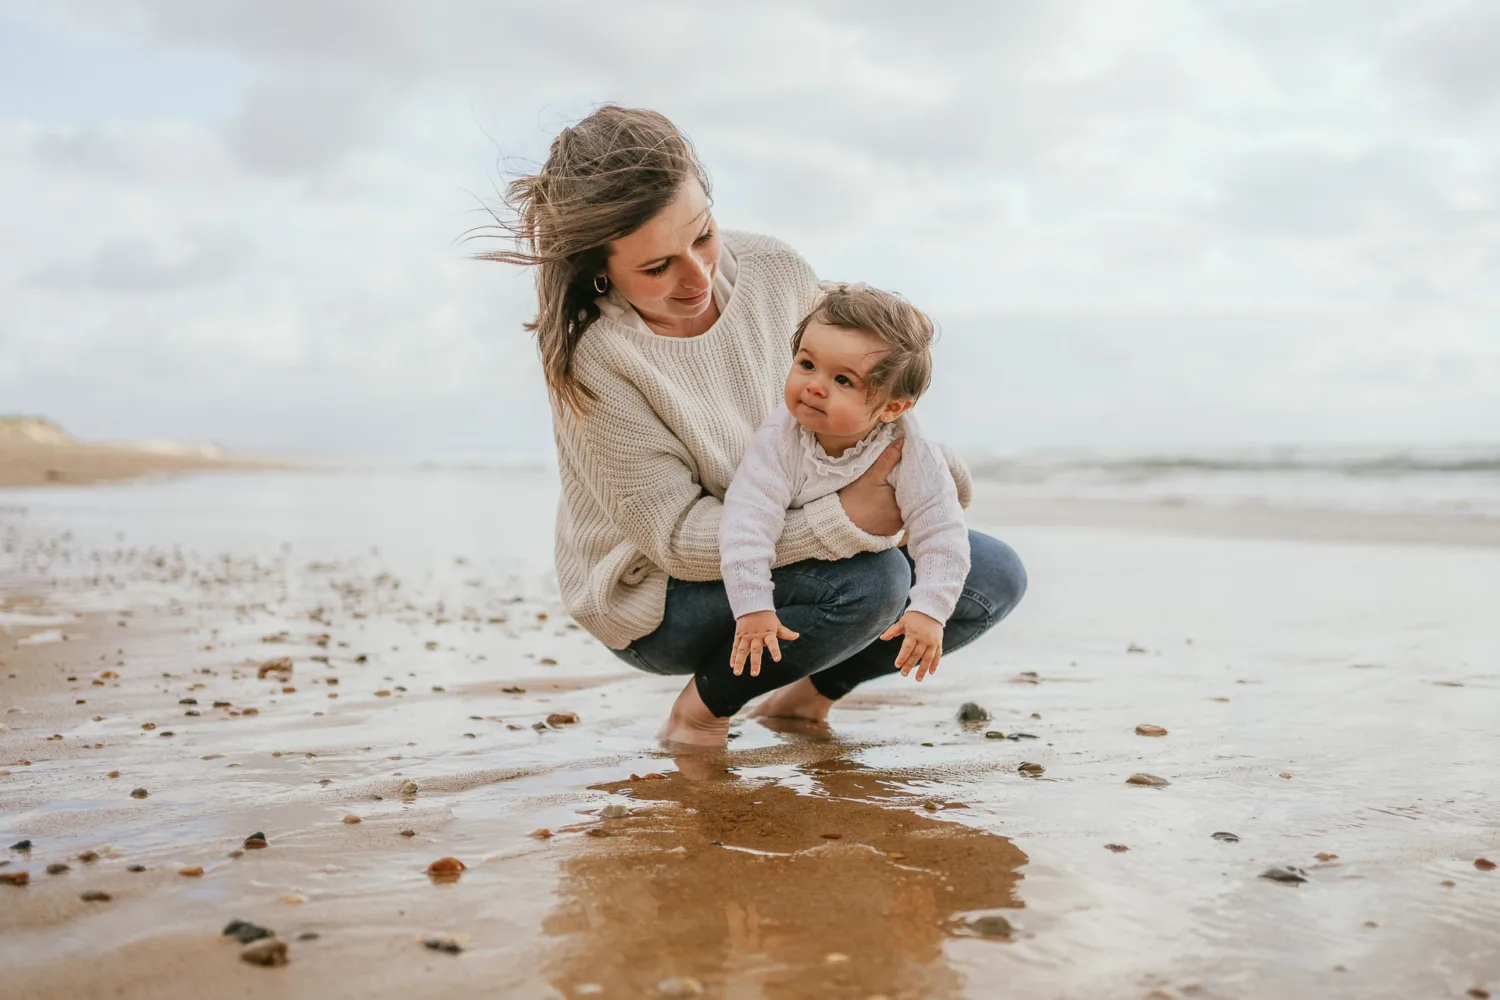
[
  {"x": 970, "y": 712},
  {"x": 136, "y": 868},
  {"x": 1479, "y": 993},
  {"x": 542, "y": 834},
  {"x": 1286, "y": 774},
  {"x": 250, "y": 711},
  {"x": 1484, "y": 864},
  {"x": 1325, "y": 856},
  {"x": 1146, "y": 729},
  {"x": 994, "y": 734},
  {"x": 614, "y": 811},
  {"x": 21, "y": 845},
  {"x": 15, "y": 878},
  {"x": 244, "y": 931},
  {"x": 192, "y": 871},
  {"x": 596, "y": 832},
  {"x": 835, "y": 958},
  {"x": 1028, "y": 768},
  {"x": 351, "y": 819},
  {"x": 148, "y": 726},
  {"x": 113, "y": 774},
  {"x": 408, "y": 833},
  {"x": 512, "y": 690},
  {"x": 88, "y": 857},
  {"x": 990, "y": 926},
  {"x": 255, "y": 841},
  {"x": 308, "y": 936},
  {"x": 139, "y": 793},
  {"x": 267, "y": 951},
  {"x": 1227, "y": 837},
  {"x": 236, "y": 853},
  {"x": 57, "y": 868},
  {"x": 1149, "y": 780},
  {"x": 562, "y": 719},
  {"x": 1287, "y": 874},
  {"x": 444, "y": 944},
  {"x": 446, "y": 868},
  {"x": 408, "y": 788},
  {"x": 831, "y": 836},
  {"x": 95, "y": 896},
  {"x": 292, "y": 899},
  {"x": 1117, "y": 848},
  {"x": 679, "y": 986}
]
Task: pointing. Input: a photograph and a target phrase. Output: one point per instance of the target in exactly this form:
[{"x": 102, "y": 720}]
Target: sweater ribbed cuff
[{"x": 841, "y": 536}]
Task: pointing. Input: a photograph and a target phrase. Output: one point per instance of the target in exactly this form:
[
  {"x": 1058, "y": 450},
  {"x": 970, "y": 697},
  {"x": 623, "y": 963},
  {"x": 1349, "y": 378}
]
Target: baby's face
[{"x": 826, "y": 389}]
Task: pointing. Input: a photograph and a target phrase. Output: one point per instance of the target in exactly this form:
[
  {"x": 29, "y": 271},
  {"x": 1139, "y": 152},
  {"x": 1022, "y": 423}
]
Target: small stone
[
  {"x": 1448, "y": 882},
  {"x": 835, "y": 958},
  {"x": 614, "y": 811},
  {"x": 408, "y": 833},
  {"x": 308, "y": 936},
  {"x": 990, "y": 926},
  {"x": 136, "y": 868},
  {"x": 250, "y": 711},
  {"x": 1371, "y": 923},
  {"x": 831, "y": 836},
  {"x": 596, "y": 832},
  {"x": 408, "y": 788},
  {"x": 57, "y": 868},
  {"x": 1146, "y": 729},
  {"x": 679, "y": 986},
  {"x": 15, "y": 878},
  {"x": 139, "y": 793},
  {"x": 148, "y": 726},
  {"x": 444, "y": 944},
  {"x": 292, "y": 899},
  {"x": 1134, "y": 648},
  {"x": 244, "y": 931},
  {"x": 1149, "y": 780},
  {"x": 1227, "y": 837},
  {"x": 187, "y": 701},
  {"x": 446, "y": 868},
  {"x": 191, "y": 871},
  {"x": 113, "y": 774},
  {"x": 236, "y": 853},
  {"x": 512, "y": 690},
  {"x": 1325, "y": 856},
  {"x": 542, "y": 834},
  {"x": 1287, "y": 874},
  {"x": 1484, "y": 864},
  {"x": 89, "y": 857},
  {"x": 994, "y": 734},
  {"x": 1117, "y": 848},
  {"x": 562, "y": 719},
  {"x": 969, "y": 712},
  {"x": 1028, "y": 768},
  {"x": 21, "y": 845},
  {"x": 267, "y": 951},
  {"x": 1479, "y": 993},
  {"x": 383, "y": 693},
  {"x": 1286, "y": 774},
  {"x": 351, "y": 819},
  {"x": 95, "y": 896},
  {"x": 255, "y": 841}
]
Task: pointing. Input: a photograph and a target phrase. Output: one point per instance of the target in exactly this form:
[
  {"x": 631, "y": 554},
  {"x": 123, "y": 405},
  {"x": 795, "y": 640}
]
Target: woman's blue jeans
[{"x": 840, "y": 608}]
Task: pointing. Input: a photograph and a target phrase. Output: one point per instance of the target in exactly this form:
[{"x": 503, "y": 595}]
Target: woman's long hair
[{"x": 604, "y": 178}]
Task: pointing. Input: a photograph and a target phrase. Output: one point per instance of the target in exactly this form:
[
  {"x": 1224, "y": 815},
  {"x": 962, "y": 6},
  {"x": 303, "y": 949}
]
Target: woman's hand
[
  {"x": 870, "y": 501},
  {"x": 754, "y": 633}
]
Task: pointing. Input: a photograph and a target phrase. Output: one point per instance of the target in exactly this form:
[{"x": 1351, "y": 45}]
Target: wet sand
[
  {"x": 1320, "y": 698},
  {"x": 78, "y": 464}
]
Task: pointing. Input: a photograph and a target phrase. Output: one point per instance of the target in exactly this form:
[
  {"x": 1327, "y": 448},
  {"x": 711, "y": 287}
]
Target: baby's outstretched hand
[
  {"x": 923, "y": 646},
  {"x": 754, "y": 632}
]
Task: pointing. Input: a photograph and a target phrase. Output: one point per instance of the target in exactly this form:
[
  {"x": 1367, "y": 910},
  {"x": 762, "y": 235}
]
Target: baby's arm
[
  {"x": 755, "y": 508},
  {"x": 938, "y": 541}
]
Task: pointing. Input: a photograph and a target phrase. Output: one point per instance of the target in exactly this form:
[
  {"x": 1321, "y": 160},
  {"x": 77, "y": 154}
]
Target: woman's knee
[{"x": 996, "y": 577}]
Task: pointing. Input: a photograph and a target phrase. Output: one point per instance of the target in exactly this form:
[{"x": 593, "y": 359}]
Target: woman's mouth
[{"x": 691, "y": 300}]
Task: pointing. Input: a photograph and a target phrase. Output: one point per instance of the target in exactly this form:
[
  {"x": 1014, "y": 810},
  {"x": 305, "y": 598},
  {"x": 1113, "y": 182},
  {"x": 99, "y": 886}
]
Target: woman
[{"x": 665, "y": 344}]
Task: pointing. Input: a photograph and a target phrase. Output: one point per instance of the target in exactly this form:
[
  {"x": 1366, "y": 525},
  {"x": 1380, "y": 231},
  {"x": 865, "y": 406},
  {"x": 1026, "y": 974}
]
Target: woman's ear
[{"x": 894, "y": 408}]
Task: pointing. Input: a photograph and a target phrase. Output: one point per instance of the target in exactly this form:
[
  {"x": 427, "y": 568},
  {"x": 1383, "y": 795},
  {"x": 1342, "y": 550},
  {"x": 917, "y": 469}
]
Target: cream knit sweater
[{"x": 645, "y": 470}]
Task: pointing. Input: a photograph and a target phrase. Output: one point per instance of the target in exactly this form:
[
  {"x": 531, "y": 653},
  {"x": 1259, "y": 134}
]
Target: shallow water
[{"x": 1369, "y": 675}]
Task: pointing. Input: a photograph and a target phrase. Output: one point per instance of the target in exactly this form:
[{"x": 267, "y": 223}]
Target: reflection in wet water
[{"x": 756, "y": 889}]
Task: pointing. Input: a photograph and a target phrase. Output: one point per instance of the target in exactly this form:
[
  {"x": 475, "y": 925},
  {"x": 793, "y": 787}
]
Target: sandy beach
[{"x": 282, "y": 653}]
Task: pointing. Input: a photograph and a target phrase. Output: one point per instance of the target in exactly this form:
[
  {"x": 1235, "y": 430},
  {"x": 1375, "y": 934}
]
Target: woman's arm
[{"x": 640, "y": 472}]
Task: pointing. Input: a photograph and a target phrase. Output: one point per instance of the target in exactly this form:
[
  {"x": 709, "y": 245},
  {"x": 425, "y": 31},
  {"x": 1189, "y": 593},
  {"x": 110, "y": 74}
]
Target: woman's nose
[{"x": 697, "y": 276}]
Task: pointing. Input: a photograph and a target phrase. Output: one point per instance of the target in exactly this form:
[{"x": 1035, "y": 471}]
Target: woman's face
[{"x": 666, "y": 268}]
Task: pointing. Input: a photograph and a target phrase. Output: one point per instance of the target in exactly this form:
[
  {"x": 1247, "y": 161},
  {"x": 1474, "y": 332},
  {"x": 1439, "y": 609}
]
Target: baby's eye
[
  {"x": 844, "y": 381},
  {"x": 805, "y": 365}
]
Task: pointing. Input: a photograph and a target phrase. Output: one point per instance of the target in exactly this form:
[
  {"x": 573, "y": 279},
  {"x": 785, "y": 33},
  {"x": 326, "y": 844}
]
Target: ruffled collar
[{"x": 814, "y": 455}]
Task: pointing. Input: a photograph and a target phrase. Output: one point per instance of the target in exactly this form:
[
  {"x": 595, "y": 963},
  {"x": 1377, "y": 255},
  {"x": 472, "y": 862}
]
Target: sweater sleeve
[
  {"x": 642, "y": 474},
  {"x": 937, "y": 538},
  {"x": 755, "y": 509}
]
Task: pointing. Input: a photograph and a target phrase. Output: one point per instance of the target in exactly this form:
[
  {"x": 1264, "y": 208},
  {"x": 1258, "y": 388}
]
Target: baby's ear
[{"x": 894, "y": 408}]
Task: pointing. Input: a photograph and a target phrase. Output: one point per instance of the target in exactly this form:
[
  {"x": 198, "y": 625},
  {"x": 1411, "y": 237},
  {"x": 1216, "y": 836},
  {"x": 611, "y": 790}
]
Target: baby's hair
[{"x": 905, "y": 370}]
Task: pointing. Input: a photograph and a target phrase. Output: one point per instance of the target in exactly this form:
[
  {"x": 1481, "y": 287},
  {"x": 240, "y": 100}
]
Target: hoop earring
[{"x": 601, "y": 284}]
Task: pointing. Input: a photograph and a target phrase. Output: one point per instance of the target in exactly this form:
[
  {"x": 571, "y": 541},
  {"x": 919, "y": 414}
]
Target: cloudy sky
[{"x": 1139, "y": 224}]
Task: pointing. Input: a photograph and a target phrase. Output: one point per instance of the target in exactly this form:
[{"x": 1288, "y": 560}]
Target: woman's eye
[
  {"x": 658, "y": 269},
  {"x": 704, "y": 238}
]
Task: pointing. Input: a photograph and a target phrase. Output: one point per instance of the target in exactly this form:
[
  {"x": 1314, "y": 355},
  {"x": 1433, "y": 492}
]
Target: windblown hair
[
  {"x": 904, "y": 371},
  {"x": 604, "y": 178}
]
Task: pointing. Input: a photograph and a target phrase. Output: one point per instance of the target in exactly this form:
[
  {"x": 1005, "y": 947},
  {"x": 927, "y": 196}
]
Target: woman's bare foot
[
  {"x": 798, "y": 700},
  {"x": 692, "y": 723}
]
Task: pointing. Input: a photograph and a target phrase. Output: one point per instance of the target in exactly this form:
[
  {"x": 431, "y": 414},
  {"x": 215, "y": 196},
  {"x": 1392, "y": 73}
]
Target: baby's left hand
[{"x": 923, "y": 645}]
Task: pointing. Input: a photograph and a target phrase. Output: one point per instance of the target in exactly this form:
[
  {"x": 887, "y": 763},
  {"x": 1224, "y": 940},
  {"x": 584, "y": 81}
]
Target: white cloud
[{"x": 1239, "y": 221}]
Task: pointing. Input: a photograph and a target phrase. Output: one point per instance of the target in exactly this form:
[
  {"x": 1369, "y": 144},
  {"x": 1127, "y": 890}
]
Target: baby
[{"x": 861, "y": 360}]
